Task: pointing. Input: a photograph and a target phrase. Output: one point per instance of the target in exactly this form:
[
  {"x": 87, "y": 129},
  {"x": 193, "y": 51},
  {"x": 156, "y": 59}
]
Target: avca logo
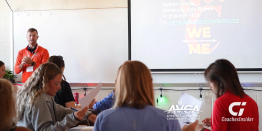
[
  {"x": 184, "y": 108},
  {"x": 183, "y": 112},
  {"x": 230, "y": 108}
]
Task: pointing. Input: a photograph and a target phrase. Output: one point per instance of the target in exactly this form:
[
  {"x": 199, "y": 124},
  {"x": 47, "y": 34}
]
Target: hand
[
  {"x": 92, "y": 118},
  {"x": 92, "y": 103},
  {"x": 22, "y": 65},
  {"x": 190, "y": 127},
  {"x": 27, "y": 60},
  {"x": 207, "y": 121},
  {"x": 81, "y": 113}
]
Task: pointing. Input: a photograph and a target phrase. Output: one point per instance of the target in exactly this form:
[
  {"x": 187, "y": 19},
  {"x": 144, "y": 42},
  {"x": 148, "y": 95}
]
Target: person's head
[
  {"x": 222, "y": 76},
  {"x": 46, "y": 79},
  {"x": 59, "y": 62},
  {"x": 32, "y": 36},
  {"x": 134, "y": 87},
  {"x": 7, "y": 104},
  {"x": 2, "y": 69}
]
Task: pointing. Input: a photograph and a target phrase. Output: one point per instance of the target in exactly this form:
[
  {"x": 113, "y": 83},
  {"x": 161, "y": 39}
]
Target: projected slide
[{"x": 190, "y": 34}]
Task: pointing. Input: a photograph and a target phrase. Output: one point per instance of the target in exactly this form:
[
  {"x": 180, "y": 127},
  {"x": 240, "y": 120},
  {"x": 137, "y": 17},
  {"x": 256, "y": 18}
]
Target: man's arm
[
  {"x": 44, "y": 59},
  {"x": 19, "y": 64}
]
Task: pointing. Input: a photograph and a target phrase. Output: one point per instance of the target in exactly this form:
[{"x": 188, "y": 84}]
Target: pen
[
  {"x": 73, "y": 109},
  {"x": 187, "y": 122}
]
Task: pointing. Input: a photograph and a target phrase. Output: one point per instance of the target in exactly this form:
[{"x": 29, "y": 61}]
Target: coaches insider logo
[
  {"x": 239, "y": 113},
  {"x": 230, "y": 108}
]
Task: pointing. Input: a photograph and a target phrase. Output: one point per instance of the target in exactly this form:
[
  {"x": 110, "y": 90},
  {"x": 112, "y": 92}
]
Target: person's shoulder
[
  {"x": 42, "y": 97},
  {"x": 154, "y": 108},
  {"x": 20, "y": 128},
  {"x": 162, "y": 116},
  {"x": 227, "y": 96},
  {"x": 41, "y": 101},
  {"x": 106, "y": 113},
  {"x": 42, "y": 48},
  {"x": 22, "y": 50},
  {"x": 64, "y": 82},
  {"x": 157, "y": 111},
  {"x": 249, "y": 99},
  {"x": 65, "y": 85}
]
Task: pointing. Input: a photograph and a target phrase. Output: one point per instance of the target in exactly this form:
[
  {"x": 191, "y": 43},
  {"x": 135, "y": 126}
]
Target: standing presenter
[{"x": 31, "y": 57}]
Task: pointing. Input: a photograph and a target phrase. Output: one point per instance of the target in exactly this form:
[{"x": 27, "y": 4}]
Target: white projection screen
[{"x": 191, "y": 34}]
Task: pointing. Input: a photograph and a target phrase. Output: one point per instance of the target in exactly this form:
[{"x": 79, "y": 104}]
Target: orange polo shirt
[{"x": 41, "y": 56}]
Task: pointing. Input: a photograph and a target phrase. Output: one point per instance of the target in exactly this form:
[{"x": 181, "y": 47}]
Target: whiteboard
[{"x": 93, "y": 42}]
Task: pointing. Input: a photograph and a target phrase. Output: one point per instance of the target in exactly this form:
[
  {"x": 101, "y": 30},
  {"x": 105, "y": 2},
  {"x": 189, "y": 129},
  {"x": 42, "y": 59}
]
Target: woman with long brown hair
[
  {"x": 134, "y": 107},
  {"x": 232, "y": 106}
]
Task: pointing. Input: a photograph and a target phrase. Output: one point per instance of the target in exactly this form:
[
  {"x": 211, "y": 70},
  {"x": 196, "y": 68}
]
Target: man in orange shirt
[{"x": 31, "y": 57}]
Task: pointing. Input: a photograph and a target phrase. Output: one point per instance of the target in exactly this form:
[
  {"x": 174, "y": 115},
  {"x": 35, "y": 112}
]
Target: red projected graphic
[{"x": 199, "y": 40}]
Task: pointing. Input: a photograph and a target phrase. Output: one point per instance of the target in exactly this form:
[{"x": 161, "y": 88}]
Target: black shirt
[{"x": 65, "y": 94}]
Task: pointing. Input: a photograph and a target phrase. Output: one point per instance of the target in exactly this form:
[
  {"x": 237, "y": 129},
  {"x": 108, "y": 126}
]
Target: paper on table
[
  {"x": 86, "y": 100},
  {"x": 82, "y": 128},
  {"x": 190, "y": 109}
]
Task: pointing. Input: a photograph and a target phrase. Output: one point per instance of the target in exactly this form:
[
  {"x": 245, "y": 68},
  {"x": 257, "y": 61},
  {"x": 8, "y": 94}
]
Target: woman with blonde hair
[
  {"x": 134, "y": 107},
  {"x": 36, "y": 107},
  {"x": 7, "y": 110}
]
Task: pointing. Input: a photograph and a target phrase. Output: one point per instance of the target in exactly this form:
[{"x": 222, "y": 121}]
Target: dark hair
[
  {"x": 32, "y": 30},
  {"x": 58, "y": 61},
  {"x": 224, "y": 74},
  {"x": 1, "y": 63}
]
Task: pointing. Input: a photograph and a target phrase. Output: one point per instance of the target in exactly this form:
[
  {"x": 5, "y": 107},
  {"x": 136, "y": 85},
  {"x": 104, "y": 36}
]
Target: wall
[{"x": 5, "y": 33}]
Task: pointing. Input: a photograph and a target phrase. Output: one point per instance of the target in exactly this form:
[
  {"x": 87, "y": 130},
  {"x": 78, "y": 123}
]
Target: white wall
[{"x": 5, "y": 33}]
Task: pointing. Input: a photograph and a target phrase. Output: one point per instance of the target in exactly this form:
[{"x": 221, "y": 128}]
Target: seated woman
[
  {"x": 232, "y": 102},
  {"x": 36, "y": 107},
  {"x": 64, "y": 96},
  {"x": 8, "y": 110},
  {"x": 134, "y": 107},
  {"x": 2, "y": 74}
]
